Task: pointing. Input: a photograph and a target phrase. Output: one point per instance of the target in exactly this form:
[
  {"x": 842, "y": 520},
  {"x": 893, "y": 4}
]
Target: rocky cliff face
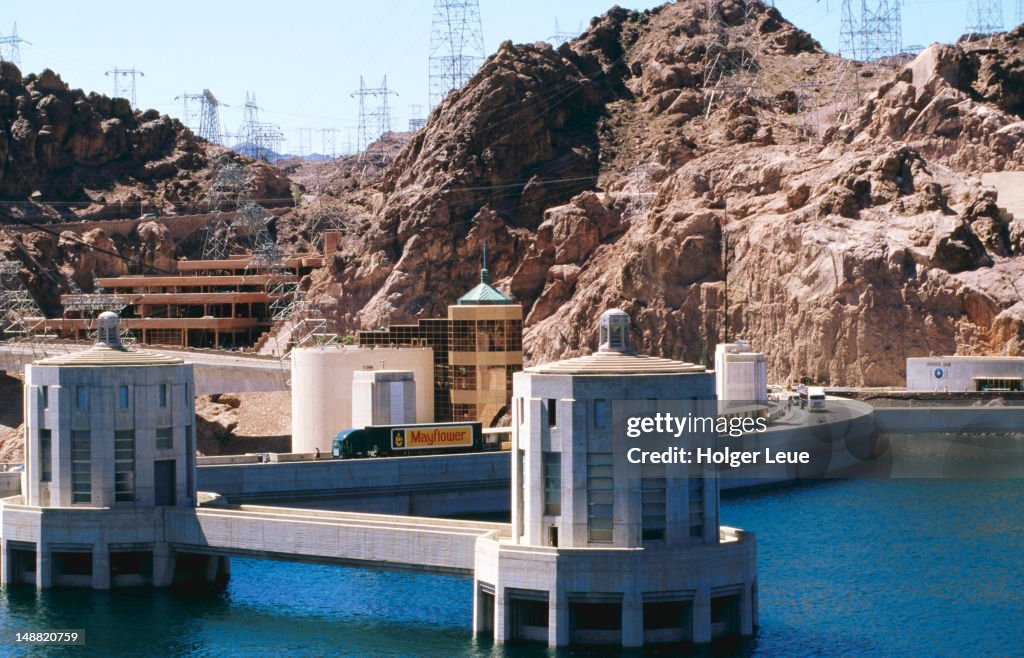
[
  {"x": 840, "y": 233},
  {"x": 69, "y": 156}
]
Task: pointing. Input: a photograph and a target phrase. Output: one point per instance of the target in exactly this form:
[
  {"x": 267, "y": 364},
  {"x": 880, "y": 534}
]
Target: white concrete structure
[
  {"x": 965, "y": 373},
  {"x": 322, "y": 379},
  {"x": 603, "y": 550},
  {"x": 740, "y": 372},
  {"x": 383, "y": 397},
  {"x": 110, "y": 445}
]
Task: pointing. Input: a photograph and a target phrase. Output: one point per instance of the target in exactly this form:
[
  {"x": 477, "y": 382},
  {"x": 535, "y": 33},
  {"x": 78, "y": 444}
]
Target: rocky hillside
[
  {"x": 68, "y": 156},
  {"x": 839, "y": 232}
]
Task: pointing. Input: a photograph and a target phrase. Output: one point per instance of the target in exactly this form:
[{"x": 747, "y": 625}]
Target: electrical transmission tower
[
  {"x": 10, "y": 50},
  {"x": 325, "y": 219},
  {"x": 201, "y": 113},
  {"x": 229, "y": 190},
  {"x": 1018, "y": 15},
  {"x": 731, "y": 62},
  {"x": 124, "y": 83},
  {"x": 417, "y": 119},
  {"x": 374, "y": 122},
  {"x": 456, "y": 46},
  {"x": 19, "y": 312},
  {"x": 985, "y": 16},
  {"x": 328, "y": 142},
  {"x": 559, "y": 37},
  {"x": 259, "y": 140},
  {"x": 870, "y": 30}
]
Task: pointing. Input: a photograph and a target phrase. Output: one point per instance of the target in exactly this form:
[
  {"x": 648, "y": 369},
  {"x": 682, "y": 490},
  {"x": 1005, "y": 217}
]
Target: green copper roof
[{"x": 484, "y": 293}]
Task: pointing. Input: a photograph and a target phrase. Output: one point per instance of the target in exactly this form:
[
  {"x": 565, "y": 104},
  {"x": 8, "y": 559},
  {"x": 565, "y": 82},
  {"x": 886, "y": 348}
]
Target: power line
[
  {"x": 124, "y": 83},
  {"x": 456, "y": 46}
]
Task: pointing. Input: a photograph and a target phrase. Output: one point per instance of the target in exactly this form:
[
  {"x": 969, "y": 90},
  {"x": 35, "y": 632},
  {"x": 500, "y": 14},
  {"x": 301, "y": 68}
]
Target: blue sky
[{"x": 302, "y": 59}]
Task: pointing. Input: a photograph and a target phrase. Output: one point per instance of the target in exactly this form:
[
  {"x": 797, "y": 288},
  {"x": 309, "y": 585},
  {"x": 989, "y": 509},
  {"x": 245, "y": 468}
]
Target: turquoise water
[{"x": 858, "y": 567}]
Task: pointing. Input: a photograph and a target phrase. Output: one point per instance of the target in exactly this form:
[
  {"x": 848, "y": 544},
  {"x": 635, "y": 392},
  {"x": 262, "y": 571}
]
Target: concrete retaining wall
[
  {"x": 439, "y": 485},
  {"x": 945, "y": 419}
]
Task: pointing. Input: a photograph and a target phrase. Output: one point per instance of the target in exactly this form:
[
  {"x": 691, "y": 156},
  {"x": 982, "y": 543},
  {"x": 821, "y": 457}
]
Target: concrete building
[
  {"x": 208, "y": 303},
  {"x": 965, "y": 373},
  {"x": 740, "y": 372},
  {"x": 383, "y": 397},
  {"x": 322, "y": 381},
  {"x": 110, "y": 446},
  {"x": 603, "y": 550},
  {"x": 477, "y": 349}
]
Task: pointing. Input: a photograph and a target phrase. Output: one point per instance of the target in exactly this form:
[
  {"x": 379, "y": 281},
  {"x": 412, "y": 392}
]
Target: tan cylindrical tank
[{"x": 322, "y": 388}]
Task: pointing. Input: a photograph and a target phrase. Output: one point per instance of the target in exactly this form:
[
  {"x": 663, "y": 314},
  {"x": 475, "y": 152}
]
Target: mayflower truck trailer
[{"x": 403, "y": 440}]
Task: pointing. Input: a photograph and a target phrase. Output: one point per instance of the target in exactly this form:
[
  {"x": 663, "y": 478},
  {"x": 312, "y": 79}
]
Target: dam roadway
[
  {"x": 442, "y": 546},
  {"x": 215, "y": 371}
]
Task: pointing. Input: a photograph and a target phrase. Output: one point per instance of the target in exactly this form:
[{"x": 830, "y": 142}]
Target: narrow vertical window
[
  {"x": 190, "y": 454},
  {"x": 124, "y": 466},
  {"x": 82, "y": 397},
  {"x": 163, "y": 396},
  {"x": 552, "y": 482},
  {"x": 600, "y": 497},
  {"x": 81, "y": 466},
  {"x": 122, "y": 397},
  {"x": 652, "y": 506},
  {"x": 552, "y": 413},
  {"x": 45, "y": 456},
  {"x": 696, "y": 491},
  {"x": 45, "y": 391},
  {"x": 600, "y": 414}
]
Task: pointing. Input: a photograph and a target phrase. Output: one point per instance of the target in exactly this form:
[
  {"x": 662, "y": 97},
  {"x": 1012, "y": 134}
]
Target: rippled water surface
[{"x": 857, "y": 567}]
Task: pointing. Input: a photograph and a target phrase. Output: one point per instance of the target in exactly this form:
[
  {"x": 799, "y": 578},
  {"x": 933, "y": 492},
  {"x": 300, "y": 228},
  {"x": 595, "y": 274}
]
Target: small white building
[
  {"x": 965, "y": 373},
  {"x": 322, "y": 387},
  {"x": 383, "y": 397},
  {"x": 740, "y": 373},
  {"x": 604, "y": 550}
]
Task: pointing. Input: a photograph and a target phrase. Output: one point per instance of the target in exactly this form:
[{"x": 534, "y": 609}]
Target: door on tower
[{"x": 163, "y": 482}]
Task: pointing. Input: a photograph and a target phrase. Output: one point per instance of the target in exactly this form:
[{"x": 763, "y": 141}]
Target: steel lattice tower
[
  {"x": 1018, "y": 15},
  {"x": 374, "y": 122},
  {"x": 209, "y": 118},
  {"x": 871, "y": 29},
  {"x": 124, "y": 83},
  {"x": 731, "y": 59},
  {"x": 259, "y": 140},
  {"x": 10, "y": 50},
  {"x": 985, "y": 16},
  {"x": 456, "y": 46}
]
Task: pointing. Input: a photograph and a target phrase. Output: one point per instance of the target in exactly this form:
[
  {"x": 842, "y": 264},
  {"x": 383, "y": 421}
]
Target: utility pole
[
  {"x": 456, "y": 46},
  {"x": 124, "y": 83}
]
